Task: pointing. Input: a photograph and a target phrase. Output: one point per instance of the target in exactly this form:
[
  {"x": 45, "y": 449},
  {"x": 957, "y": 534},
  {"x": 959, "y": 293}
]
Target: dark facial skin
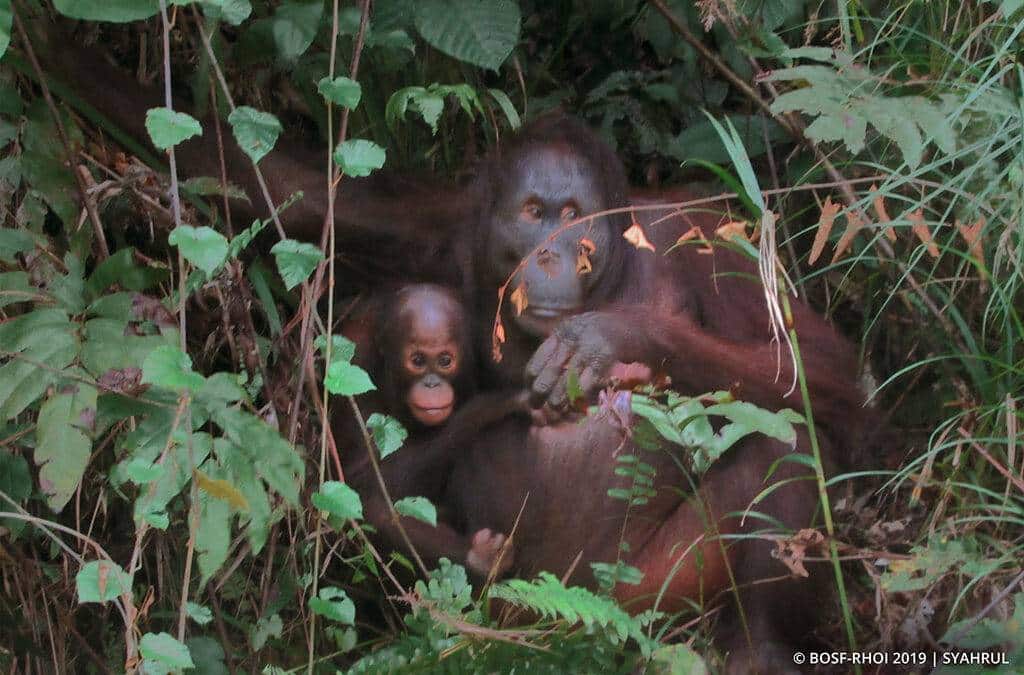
[{"x": 539, "y": 199}]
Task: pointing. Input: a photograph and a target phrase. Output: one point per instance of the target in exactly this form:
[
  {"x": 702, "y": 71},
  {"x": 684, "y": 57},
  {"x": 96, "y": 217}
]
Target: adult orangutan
[{"x": 698, "y": 318}]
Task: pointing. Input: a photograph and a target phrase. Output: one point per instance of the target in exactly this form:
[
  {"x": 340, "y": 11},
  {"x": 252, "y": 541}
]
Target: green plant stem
[{"x": 819, "y": 472}]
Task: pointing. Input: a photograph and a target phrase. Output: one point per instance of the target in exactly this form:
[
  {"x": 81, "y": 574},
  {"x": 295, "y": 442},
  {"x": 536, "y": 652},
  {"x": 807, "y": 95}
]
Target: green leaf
[
  {"x": 164, "y": 649},
  {"x": 170, "y": 367},
  {"x": 255, "y": 131},
  {"x": 14, "y": 241},
  {"x": 141, "y": 471},
  {"x": 16, "y": 483},
  {"x": 208, "y": 656},
  {"x": 338, "y": 500},
  {"x": 66, "y": 423},
  {"x": 232, "y": 11},
  {"x": 746, "y": 418},
  {"x": 198, "y": 613},
  {"x": 334, "y": 604},
  {"x": 294, "y": 26},
  {"x": 206, "y": 186},
  {"x": 117, "y": 11},
  {"x": 342, "y": 349},
  {"x": 296, "y": 260},
  {"x": 677, "y": 659},
  {"x": 419, "y": 508},
  {"x": 266, "y": 627},
  {"x": 480, "y": 32},
  {"x": 121, "y": 268},
  {"x": 42, "y": 336},
  {"x": 204, "y": 247},
  {"x": 346, "y": 379},
  {"x": 341, "y": 91},
  {"x": 509, "y": 110},
  {"x": 388, "y": 433},
  {"x": 358, "y": 157},
  {"x": 43, "y": 165},
  {"x": 213, "y": 536},
  {"x": 6, "y": 20},
  {"x": 101, "y": 581},
  {"x": 15, "y": 287},
  {"x": 167, "y": 127}
]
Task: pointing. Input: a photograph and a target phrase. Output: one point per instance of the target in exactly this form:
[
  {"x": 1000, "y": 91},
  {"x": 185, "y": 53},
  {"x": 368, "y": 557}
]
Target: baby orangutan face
[{"x": 426, "y": 338}]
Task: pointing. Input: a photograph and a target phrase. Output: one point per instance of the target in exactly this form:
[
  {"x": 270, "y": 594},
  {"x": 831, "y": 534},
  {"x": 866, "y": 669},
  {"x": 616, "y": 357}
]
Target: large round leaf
[{"x": 481, "y": 32}]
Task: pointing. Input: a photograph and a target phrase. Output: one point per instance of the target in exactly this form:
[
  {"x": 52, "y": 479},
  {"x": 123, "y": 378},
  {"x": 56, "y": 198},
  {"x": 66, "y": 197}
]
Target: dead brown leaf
[
  {"x": 734, "y": 228},
  {"x": 693, "y": 233},
  {"x": 586, "y": 248},
  {"x": 923, "y": 233},
  {"x": 825, "y": 221},
  {"x": 635, "y": 236},
  {"x": 548, "y": 261},
  {"x": 883, "y": 215},
  {"x": 854, "y": 222},
  {"x": 497, "y": 338},
  {"x": 791, "y": 552},
  {"x": 519, "y": 300},
  {"x": 972, "y": 235}
]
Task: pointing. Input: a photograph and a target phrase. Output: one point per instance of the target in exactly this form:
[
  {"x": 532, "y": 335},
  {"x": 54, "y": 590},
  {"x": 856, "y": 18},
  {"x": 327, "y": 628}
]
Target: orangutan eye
[
  {"x": 532, "y": 210},
  {"x": 418, "y": 360},
  {"x": 570, "y": 213},
  {"x": 445, "y": 360}
]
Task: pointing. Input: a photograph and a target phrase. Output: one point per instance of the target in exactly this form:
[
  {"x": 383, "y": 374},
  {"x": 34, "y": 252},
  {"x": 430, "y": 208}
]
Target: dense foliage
[{"x": 166, "y": 500}]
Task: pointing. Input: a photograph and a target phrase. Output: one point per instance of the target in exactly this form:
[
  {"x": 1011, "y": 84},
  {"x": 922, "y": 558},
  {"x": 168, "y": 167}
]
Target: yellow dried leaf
[
  {"x": 919, "y": 227},
  {"x": 519, "y": 299},
  {"x": 883, "y": 215},
  {"x": 586, "y": 248},
  {"x": 734, "y": 228},
  {"x": 854, "y": 222},
  {"x": 972, "y": 235},
  {"x": 497, "y": 338},
  {"x": 825, "y": 221},
  {"x": 222, "y": 490},
  {"x": 693, "y": 233},
  {"x": 635, "y": 236}
]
